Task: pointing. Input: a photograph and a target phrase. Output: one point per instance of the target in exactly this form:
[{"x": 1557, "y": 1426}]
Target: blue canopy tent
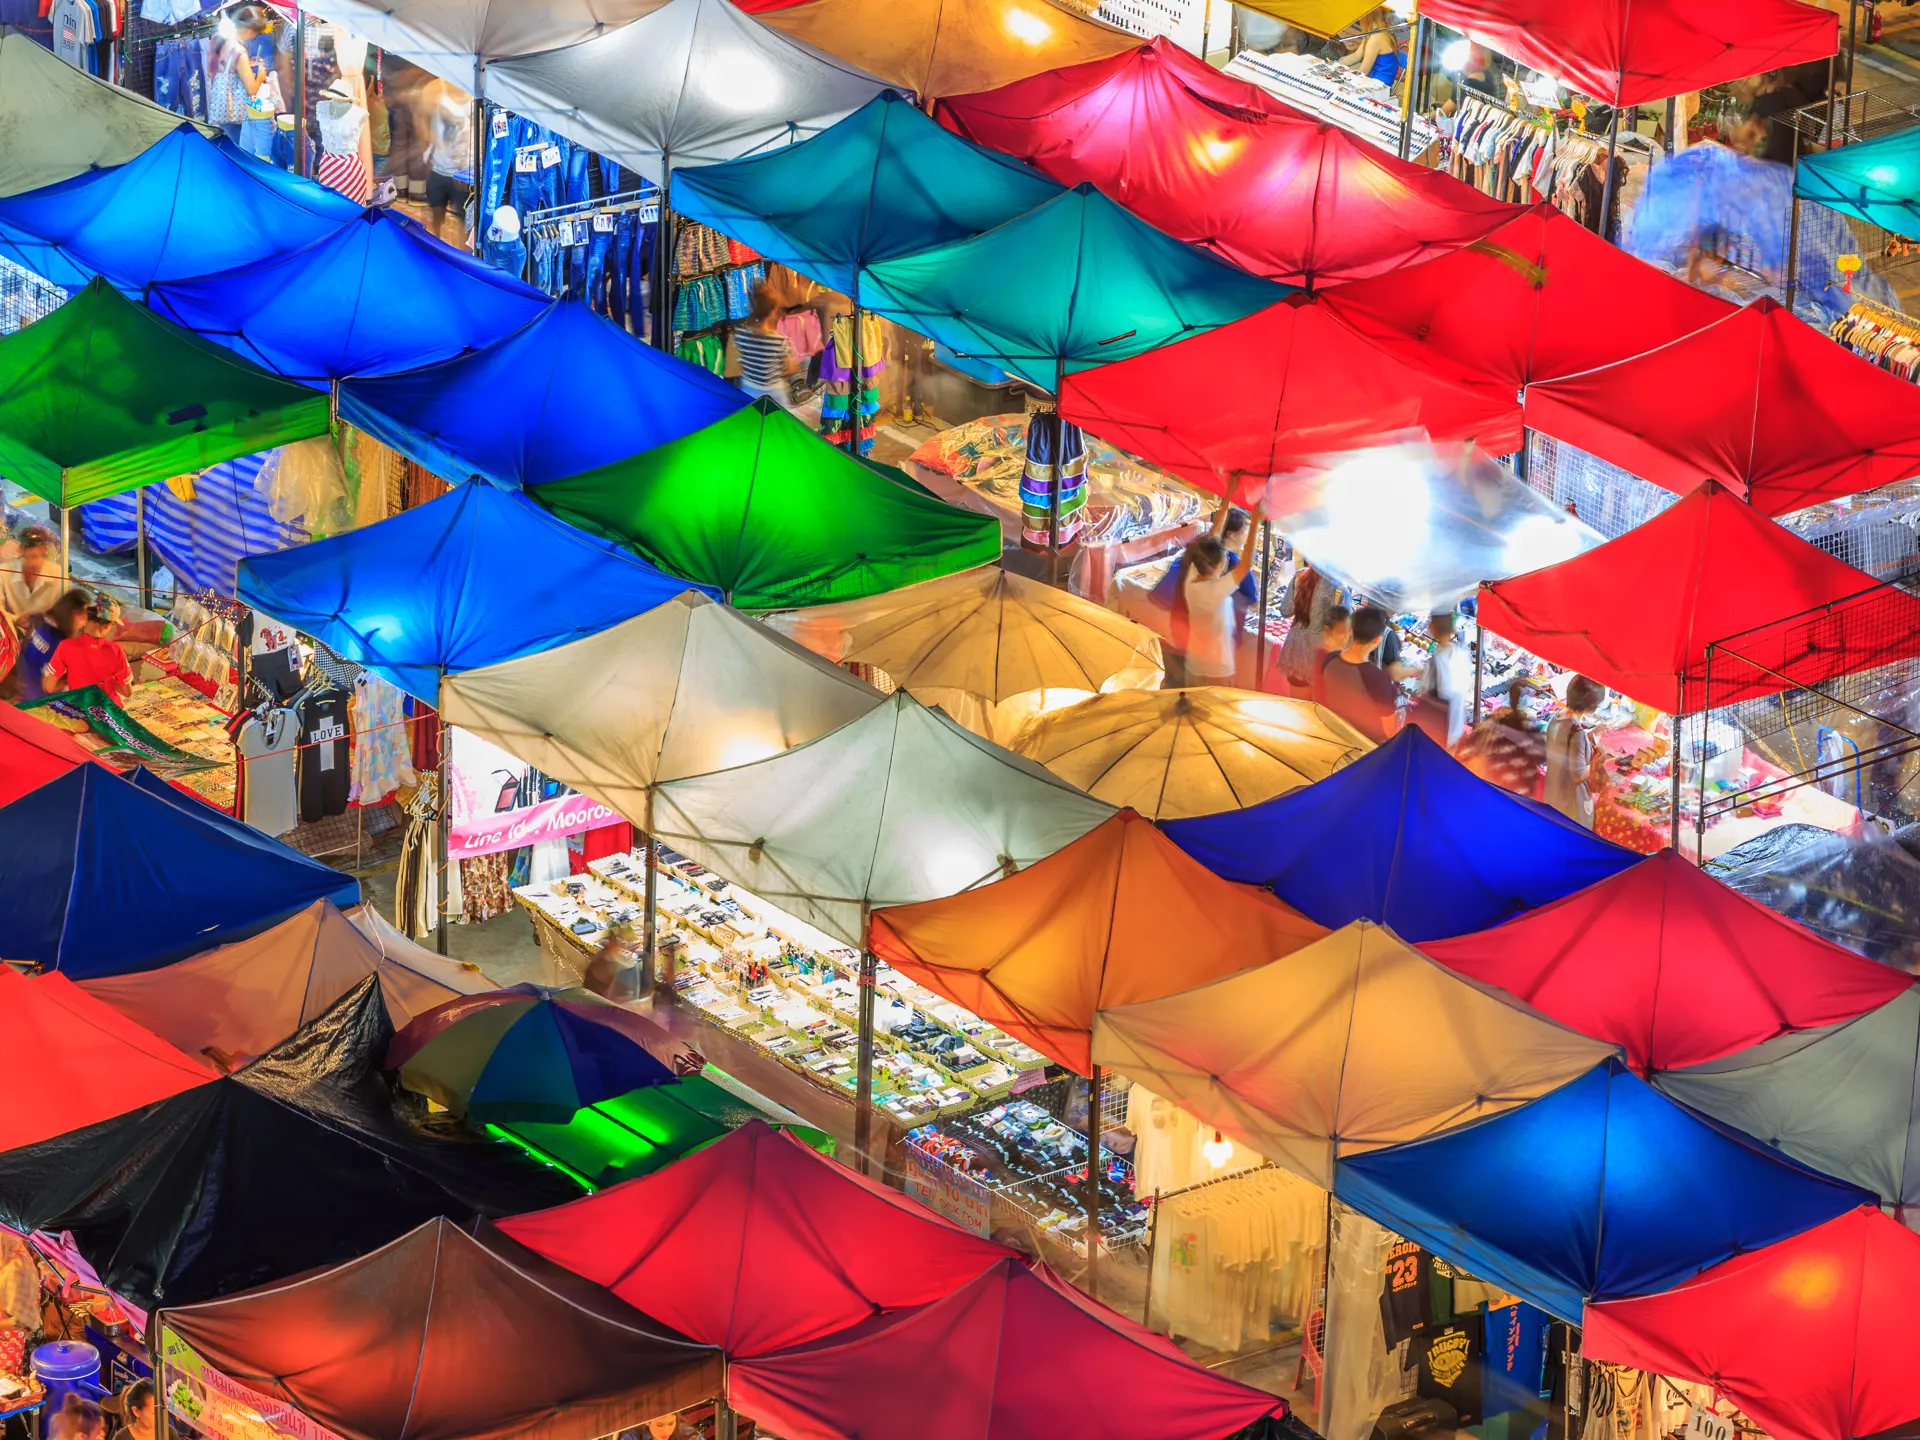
[
  {"x": 101, "y": 875},
  {"x": 1071, "y": 284},
  {"x": 568, "y": 393},
  {"x": 1600, "y": 1189},
  {"x": 886, "y": 181},
  {"x": 476, "y": 577},
  {"x": 188, "y": 207},
  {"x": 378, "y": 295},
  {"x": 1407, "y": 837}
]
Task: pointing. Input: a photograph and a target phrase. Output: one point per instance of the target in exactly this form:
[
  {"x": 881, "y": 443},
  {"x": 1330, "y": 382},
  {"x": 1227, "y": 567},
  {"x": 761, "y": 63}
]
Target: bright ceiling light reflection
[
  {"x": 1538, "y": 541},
  {"x": 1454, "y": 56},
  {"x": 740, "y": 81},
  {"x": 1215, "y": 151},
  {"x": 1027, "y": 27},
  {"x": 1883, "y": 175}
]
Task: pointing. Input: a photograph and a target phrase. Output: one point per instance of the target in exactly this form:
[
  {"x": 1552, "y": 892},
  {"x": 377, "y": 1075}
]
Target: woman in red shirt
[{"x": 91, "y": 658}]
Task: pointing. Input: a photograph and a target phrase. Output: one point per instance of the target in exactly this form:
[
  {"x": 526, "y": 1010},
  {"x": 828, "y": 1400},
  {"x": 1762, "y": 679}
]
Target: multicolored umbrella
[{"x": 531, "y": 1052}]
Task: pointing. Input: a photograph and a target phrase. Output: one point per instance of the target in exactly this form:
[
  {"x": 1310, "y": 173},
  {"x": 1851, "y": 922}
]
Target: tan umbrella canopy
[
  {"x": 991, "y": 649},
  {"x": 1174, "y": 753}
]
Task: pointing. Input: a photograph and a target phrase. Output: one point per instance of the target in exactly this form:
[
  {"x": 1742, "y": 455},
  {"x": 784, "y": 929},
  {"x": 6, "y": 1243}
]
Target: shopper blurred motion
[{"x": 1576, "y": 768}]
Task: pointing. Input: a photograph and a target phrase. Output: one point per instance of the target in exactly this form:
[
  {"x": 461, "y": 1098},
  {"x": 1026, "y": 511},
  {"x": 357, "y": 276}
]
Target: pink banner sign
[{"x": 549, "y": 820}]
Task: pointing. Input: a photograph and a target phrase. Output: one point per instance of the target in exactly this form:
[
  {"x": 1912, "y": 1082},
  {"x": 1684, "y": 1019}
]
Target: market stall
[
  {"x": 992, "y": 649},
  {"x": 1335, "y": 95},
  {"x": 104, "y": 876},
  {"x": 1214, "y": 161},
  {"x": 439, "y": 1335},
  {"x": 164, "y": 726},
  {"x": 1404, "y": 837},
  {"x": 293, "y": 1161},
  {"x": 449, "y": 39}
]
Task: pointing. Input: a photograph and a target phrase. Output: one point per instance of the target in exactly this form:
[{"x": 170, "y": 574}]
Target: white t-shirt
[
  {"x": 267, "y": 749},
  {"x": 1210, "y": 625}
]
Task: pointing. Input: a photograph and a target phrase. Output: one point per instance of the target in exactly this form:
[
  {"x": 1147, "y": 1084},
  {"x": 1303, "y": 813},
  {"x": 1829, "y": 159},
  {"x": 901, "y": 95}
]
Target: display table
[
  {"x": 1359, "y": 106},
  {"x": 165, "y": 726}
]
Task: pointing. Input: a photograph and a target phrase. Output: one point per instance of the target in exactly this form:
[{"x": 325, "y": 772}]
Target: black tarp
[
  {"x": 1859, "y": 891},
  {"x": 294, "y": 1161}
]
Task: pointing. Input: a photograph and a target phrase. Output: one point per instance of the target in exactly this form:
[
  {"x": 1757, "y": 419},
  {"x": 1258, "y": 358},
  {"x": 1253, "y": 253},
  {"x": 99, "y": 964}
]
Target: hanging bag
[{"x": 227, "y": 100}]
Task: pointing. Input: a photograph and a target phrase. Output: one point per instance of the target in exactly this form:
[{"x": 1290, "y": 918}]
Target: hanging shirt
[
  {"x": 266, "y": 745},
  {"x": 324, "y": 766},
  {"x": 1448, "y": 1363}
]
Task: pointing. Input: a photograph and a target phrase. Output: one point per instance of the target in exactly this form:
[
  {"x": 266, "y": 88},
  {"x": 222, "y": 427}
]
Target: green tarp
[
  {"x": 1073, "y": 283},
  {"x": 762, "y": 508},
  {"x": 103, "y": 396}
]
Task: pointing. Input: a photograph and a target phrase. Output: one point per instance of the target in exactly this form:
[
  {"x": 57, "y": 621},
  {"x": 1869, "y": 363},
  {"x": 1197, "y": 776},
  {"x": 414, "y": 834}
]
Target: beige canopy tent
[
  {"x": 1175, "y": 753},
  {"x": 901, "y": 805},
  {"x": 57, "y": 122},
  {"x": 1313, "y": 1056},
  {"x": 991, "y": 649},
  {"x": 950, "y": 47},
  {"x": 241, "y": 1000}
]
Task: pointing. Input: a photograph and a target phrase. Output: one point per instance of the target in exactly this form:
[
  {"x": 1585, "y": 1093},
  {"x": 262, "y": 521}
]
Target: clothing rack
[
  {"x": 645, "y": 200},
  {"x": 1880, "y": 336}
]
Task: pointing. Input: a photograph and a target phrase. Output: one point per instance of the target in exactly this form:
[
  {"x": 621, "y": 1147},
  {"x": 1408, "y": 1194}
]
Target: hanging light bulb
[{"x": 1217, "y": 1150}]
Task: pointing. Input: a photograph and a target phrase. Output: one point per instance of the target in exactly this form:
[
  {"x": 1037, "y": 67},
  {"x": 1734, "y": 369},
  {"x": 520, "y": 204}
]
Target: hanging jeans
[
  {"x": 620, "y": 263},
  {"x": 599, "y": 256},
  {"x": 498, "y": 161},
  {"x": 575, "y": 166}
]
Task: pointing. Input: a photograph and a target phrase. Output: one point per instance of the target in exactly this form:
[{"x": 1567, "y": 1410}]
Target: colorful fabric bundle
[{"x": 1056, "y": 463}]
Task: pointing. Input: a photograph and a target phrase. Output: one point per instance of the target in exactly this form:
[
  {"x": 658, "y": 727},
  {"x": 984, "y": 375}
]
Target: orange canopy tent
[
  {"x": 1119, "y": 916},
  {"x": 949, "y": 47}
]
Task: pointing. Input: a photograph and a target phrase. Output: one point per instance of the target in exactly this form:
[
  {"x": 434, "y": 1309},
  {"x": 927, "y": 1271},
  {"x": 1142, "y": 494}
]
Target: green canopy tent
[
  {"x": 760, "y": 507},
  {"x": 104, "y": 396}
]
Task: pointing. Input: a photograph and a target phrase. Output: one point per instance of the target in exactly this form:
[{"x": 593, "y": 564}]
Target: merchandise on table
[
  {"x": 165, "y": 726},
  {"x": 1357, "y": 104}
]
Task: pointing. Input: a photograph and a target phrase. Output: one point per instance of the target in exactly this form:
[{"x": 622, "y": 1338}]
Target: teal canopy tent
[{"x": 1877, "y": 181}]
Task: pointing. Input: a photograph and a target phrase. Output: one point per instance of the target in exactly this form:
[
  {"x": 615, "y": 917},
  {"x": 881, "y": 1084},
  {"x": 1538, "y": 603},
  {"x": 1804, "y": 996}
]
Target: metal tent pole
[
  {"x": 481, "y": 146},
  {"x": 1266, "y": 590},
  {"x": 1092, "y": 1192},
  {"x": 1853, "y": 52},
  {"x": 445, "y": 905},
  {"x": 1416, "y": 56},
  {"x": 650, "y": 926},
  {"x": 1680, "y": 705},
  {"x": 300, "y": 158},
  {"x": 1673, "y": 112},
  {"x": 142, "y": 559},
  {"x": 1606, "y": 195},
  {"x": 663, "y": 260},
  {"x": 863, "y": 1062},
  {"x": 1479, "y": 667},
  {"x": 1793, "y": 254},
  {"x": 66, "y": 539}
]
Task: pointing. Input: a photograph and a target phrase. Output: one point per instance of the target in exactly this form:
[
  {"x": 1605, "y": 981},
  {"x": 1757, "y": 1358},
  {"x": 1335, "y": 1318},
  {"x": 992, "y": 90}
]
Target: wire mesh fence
[{"x": 25, "y": 297}]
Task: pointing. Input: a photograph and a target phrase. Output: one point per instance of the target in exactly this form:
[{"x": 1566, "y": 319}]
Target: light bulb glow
[
  {"x": 1217, "y": 1150},
  {"x": 1454, "y": 57}
]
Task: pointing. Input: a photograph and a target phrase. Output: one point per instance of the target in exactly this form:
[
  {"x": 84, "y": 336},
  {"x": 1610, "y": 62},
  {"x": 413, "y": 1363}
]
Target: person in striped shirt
[{"x": 766, "y": 357}]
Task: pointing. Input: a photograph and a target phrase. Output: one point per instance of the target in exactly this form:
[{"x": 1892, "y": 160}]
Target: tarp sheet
[
  {"x": 1407, "y": 837},
  {"x": 1671, "y": 965},
  {"x": 1305, "y": 1059},
  {"x": 989, "y": 647},
  {"x": 568, "y": 393},
  {"x": 1876, "y": 180},
  {"x": 1638, "y": 613},
  {"x": 1627, "y": 52},
  {"x": 1171, "y": 754},
  {"x": 1575, "y": 1197},
  {"x": 1039, "y": 952},
  {"x": 686, "y": 688},
  {"x": 884, "y": 182},
  {"x": 1861, "y": 891},
  {"x": 473, "y": 578},
  {"x": 378, "y": 295},
  {"x": 757, "y": 1244},
  {"x": 189, "y": 206},
  {"x": 32, "y": 752},
  {"x": 1761, "y": 402},
  {"x": 446, "y": 37},
  {"x": 442, "y": 1335},
  {"x": 693, "y": 83},
  {"x": 760, "y": 508},
  {"x": 1008, "y": 1357},
  {"x": 99, "y": 876},
  {"x": 69, "y": 1061},
  {"x": 242, "y": 999},
  {"x": 1845, "y": 1100},
  {"x": 57, "y": 121},
  {"x": 293, "y": 1162},
  {"x": 901, "y": 805},
  {"x": 1829, "y": 1308},
  {"x": 1226, "y": 409},
  {"x": 1221, "y": 164},
  {"x": 951, "y": 47},
  {"x": 1073, "y": 283},
  {"x": 1538, "y": 298},
  {"x": 103, "y": 395}
]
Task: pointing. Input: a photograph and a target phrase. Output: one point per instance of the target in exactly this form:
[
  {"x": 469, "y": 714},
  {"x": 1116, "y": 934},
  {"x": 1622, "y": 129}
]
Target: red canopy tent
[
  {"x": 1005, "y": 1358},
  {"x": 32, "y": 752},
  {"x": 1627, "y": 52},
  {"x": 1287, "y": 382},
  {"x": 1220, "y": 163},
  {"x": 1639, "y": 612},
  {"x": 757, "y": 1243},
  {"x": 1538, "y": 298},
  {"x": 1671, "y": 965},
  {"x": 68, "y": 1060},
  {"x": 1759, "y": 401},
  {"x": 1812, "y": 1337}
]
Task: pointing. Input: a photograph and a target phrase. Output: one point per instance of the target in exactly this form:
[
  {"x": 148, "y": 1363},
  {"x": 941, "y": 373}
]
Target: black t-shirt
[
  {"x": 1414, "y": 1296},
  {"x": 325, "y": 751},
  {"x": 1447, "y": 1363}
]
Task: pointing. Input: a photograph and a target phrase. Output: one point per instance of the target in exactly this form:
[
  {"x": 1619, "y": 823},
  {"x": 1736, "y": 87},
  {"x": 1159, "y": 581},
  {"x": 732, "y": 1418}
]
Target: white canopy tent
[
  {"x": 1844, "y": 1099},
  {"x": 901, "y": 805},
  {"x": 1307, "y": 1059},
  {"x": 990, "y": 648},
  {"x": 452, "y": 38},
  {"x": 695, "y": 82}
]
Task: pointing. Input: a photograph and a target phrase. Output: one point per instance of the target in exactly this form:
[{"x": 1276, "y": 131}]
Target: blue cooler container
[{"x": 67, "y": 1367}]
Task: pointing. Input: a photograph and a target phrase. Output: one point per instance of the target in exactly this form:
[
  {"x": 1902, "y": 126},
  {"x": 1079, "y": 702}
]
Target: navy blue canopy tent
[
  {"x": 378, "y": 295},
  {"x": 100, "y": 875},
  {"x": 187, "y": 207},
  {"x": 1600, "y": 1189},
  {"x": 476, "y": 577},
  {"x": 1407, "y": 837},
  {"x": 884, "y": 182},
  {"x": 567, "y": 394}
]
